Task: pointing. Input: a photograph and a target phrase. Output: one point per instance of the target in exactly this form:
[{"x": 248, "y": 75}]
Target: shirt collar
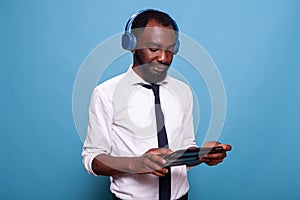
[{"x": 135, "y": 79}]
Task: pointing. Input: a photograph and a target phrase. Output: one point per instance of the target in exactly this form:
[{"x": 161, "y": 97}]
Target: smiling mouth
[{"x": 159, "y": 68}]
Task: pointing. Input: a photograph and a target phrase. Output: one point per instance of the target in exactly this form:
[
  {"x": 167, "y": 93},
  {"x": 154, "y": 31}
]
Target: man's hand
[
  {"x": 215, "y": 158},
  {"x": 151, "y": 162}
]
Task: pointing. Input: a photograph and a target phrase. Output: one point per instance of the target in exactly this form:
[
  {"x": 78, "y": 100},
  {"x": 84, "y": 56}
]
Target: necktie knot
[{"x": 154, "y": 87}]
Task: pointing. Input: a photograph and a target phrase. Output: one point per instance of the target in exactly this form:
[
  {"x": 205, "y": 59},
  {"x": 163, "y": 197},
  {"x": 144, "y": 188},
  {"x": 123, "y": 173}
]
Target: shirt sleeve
[
  {"x": 188, "y": 122},
  {"x": 98, "y": 138}
]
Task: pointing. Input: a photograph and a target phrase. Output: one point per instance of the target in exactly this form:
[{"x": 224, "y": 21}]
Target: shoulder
[
  {"x": 107, "y": 88},
  {"x": 109, "y": 84}
]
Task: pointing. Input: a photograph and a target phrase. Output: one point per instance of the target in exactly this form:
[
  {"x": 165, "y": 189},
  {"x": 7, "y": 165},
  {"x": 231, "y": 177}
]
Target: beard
[
  {"x": 151, "y": 77},
  {"x": 153, "y": 72}
]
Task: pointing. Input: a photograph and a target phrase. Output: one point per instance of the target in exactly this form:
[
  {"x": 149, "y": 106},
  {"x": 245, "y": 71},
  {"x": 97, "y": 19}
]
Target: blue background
[{"x": 254, "y": 43}]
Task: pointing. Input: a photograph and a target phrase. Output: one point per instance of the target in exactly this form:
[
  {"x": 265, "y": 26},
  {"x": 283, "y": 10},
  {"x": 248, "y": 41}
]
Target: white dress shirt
[{"x": 122, "y": 123}]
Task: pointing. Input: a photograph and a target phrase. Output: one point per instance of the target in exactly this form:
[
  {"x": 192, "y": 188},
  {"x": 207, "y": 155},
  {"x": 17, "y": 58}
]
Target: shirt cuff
[{"x": 87, "y": 161}]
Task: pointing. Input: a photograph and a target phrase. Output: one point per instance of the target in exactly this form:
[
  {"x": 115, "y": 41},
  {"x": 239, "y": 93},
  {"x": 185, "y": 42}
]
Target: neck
[{"x": 138, "y": 71}]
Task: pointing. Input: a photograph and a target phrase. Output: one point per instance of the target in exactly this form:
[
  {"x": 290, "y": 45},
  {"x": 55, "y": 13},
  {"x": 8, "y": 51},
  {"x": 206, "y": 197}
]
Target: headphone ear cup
[
  {"x": 128, "y": 41},
  {"x": 176, "y": 48}
]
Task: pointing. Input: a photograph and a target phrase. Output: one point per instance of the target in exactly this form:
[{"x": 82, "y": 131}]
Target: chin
[{"x": 156, "y": 78}]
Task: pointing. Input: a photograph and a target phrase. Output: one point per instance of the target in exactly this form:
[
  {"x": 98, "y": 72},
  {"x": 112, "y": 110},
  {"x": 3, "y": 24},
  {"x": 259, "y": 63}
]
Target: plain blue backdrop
[{"x": 254, "y": 43}]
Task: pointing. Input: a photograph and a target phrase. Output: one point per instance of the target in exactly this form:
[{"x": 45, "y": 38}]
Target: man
[{"x": 137, "y": 118}]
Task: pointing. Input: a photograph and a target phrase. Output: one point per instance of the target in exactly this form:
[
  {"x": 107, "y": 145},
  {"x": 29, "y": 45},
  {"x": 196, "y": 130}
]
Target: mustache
[
  {"x": 156, "y": 65},
  {"x": 159, "y": 65}
]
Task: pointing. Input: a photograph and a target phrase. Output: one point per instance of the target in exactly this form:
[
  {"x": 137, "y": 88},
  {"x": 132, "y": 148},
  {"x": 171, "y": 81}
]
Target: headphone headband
[{"x": 131, "y": 19}]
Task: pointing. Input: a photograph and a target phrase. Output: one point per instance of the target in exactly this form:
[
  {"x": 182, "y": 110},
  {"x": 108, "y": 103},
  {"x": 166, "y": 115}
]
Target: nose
[{"x": 163, "y": 56}]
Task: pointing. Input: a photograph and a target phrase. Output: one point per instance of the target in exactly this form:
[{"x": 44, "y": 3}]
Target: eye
[
  {"x": 171, "y": 49},
  {"x": 153, "y": 49}
]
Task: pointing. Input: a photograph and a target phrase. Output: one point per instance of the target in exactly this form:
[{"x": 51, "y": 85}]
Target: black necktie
[{"x": 164, "y": 182}]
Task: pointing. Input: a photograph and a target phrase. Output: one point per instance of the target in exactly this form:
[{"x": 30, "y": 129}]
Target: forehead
[{"x": 155, "y": 33}]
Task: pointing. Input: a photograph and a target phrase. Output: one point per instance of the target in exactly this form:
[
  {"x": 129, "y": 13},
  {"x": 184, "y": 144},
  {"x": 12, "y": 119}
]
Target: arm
[
  {"x": 188, "y": 121},
  {"x": 189, "y": 139},
  {"x": 149, "y": 162},
  {"x": 98, "y": 144}
]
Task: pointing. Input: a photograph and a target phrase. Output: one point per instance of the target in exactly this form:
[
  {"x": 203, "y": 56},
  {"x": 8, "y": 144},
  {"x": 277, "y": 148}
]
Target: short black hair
[{"x": 162, "y": 18}]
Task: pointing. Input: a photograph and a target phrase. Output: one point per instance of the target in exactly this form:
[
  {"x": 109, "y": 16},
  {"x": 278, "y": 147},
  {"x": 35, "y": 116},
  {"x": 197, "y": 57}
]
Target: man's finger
[
  {"x": 226, "y": 147},
  {"x": 160, "y": 151}
]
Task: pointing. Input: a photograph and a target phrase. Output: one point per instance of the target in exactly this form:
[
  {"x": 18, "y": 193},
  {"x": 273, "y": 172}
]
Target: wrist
[{"x": 131, "y": 165}]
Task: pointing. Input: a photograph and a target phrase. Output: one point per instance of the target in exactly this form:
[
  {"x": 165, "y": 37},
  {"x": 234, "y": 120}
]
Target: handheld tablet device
[{"x": 189, "y": 156}]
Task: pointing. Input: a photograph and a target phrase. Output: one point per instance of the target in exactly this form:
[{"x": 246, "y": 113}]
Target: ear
[{"x": 133, "y": 51}]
